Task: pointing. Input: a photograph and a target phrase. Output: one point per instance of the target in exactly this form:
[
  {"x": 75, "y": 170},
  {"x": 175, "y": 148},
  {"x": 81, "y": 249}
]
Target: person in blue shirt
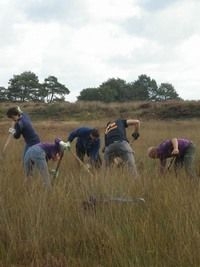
[
  {"x": 117, "y": 145},
  {"x": 37, "y": 156},
  {"x": 22, "y": 127},
  {"x": 87, "y": 143}
]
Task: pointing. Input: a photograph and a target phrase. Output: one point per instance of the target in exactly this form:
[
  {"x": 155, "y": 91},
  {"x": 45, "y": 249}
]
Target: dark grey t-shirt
[{"x": 115, "y": 131}]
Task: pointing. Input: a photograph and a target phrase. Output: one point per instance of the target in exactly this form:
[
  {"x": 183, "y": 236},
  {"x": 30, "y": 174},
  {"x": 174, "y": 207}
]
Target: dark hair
[
  {"x": 14, "y": 111},
  {"x": 95, "y": 133}
]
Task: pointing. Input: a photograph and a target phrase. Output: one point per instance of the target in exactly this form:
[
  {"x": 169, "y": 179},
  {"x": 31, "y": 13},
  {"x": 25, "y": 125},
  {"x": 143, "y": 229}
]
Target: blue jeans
[
  {"x": 35, "y": 156},
  {"x": 123, "y": 150}
]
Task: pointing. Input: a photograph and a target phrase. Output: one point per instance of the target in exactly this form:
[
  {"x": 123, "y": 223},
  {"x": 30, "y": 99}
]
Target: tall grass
[{"x": 42, "y": 228}]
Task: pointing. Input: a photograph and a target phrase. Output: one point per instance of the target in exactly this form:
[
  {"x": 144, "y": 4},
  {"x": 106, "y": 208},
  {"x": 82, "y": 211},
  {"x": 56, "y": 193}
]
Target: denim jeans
[
  {"x": 35, "y": 157},
  {"x": 123, "y": 150}
]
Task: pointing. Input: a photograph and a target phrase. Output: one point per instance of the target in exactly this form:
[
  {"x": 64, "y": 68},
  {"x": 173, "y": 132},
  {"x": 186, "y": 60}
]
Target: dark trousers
[
  {"x": 187, "y": 161},
  {"x": 82, "y": 151}
]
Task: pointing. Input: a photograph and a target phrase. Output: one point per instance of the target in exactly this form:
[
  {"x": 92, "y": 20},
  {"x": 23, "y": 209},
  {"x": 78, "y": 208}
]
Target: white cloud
[
  {"x": 85, "y": 42},
  {"x": 112, "y": 10}
]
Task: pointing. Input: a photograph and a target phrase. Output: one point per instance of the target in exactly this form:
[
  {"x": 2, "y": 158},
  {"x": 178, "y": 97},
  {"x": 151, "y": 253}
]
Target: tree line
[
  {"x": 26, "y": 87},
  {"x": 117, "y": 90}
]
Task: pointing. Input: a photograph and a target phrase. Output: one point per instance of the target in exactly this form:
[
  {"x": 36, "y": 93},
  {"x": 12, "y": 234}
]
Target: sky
[{"x": 86, "y": 42}]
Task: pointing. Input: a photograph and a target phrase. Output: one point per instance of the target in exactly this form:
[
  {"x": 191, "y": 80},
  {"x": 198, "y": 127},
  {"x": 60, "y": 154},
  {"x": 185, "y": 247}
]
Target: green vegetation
[
  {"x": 26, "y": 87},
  {"x": 40, "y": 229},
  {"x": 117, "y": 90}
]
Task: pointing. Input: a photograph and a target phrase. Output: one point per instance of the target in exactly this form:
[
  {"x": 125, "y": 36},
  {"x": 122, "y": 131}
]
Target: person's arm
[
  {"x": 136, "y": 125},
  {"x": 18, "y": 129},
  {"x": 80, "y": 132},
  {"x": 175, "y": 150},
  {"x": 72, "y": 135}
]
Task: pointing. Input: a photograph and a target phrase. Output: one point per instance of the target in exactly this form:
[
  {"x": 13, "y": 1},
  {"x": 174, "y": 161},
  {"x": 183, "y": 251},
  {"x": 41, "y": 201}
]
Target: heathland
[{"x": 52, "y": 229}]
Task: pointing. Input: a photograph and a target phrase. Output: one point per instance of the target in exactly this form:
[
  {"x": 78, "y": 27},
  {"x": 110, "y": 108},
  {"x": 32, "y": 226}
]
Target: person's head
[
  {"x": 152, "y": 152},
  {"x": 94, "y": 134},
  {"x": 14, "y": 113}
]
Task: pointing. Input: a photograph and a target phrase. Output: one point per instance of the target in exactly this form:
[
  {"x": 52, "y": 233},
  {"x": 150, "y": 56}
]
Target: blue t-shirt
[
  {"x": 85, "y": 142},
  {"x": 115, "y": 131},
  {"x": 24, "y": 127}
]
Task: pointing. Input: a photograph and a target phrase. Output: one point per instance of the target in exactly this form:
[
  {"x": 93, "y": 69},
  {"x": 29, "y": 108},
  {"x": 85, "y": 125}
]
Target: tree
[
  {"x": 89, "y": 94},
  {"x": 3, "y": 94},
  {"x": 142, "y": 88},
  {"x": 166, "y": 91},
  {"x": 23, "y": 87},
  {"x": 117, "y": 90},
  {"x": 53, "y": 90},
  {"x": 113, "y": 90}
]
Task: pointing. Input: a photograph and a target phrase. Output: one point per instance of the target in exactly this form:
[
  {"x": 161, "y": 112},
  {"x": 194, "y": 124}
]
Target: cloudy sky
[{"x": 85, "y": 42}]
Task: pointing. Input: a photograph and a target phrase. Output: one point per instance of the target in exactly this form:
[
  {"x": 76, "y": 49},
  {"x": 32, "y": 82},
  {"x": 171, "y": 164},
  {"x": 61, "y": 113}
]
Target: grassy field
[{"x": 51, "y": 229}]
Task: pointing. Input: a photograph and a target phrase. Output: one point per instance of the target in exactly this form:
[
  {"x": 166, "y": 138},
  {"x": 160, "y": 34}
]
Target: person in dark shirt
[
  {"x": 117, "y": 145},
  {"x": 22, "y": 126},
  {"x": 37, "y": 156},
  {"x": 183, "y": 151},
  {"x": 87, "y": 143}
]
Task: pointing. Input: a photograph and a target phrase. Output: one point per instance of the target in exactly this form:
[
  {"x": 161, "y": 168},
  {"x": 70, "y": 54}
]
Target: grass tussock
[{"x": 40, "y": 228}]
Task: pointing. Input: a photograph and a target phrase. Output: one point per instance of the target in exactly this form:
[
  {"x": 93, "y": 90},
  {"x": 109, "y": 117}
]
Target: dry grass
[{"x": 51, "y": 229}]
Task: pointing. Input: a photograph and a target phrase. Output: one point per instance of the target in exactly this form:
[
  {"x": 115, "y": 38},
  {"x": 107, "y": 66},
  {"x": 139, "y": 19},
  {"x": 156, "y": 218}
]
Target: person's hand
[
  {"x": 89, "y": 166},
  {"x": 135, "y": 135},
  {"x": 54, "y": 173},
  {"x": 12, "y": 131},
  {"x": 175, "y": 151},
  {"x": 56, "y": 157},
  {"x": 64, "y": 145}
]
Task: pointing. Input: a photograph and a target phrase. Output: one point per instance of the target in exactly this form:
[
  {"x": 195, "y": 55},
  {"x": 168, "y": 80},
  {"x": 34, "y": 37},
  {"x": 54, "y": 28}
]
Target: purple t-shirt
[
  {"x": 51, "y": 149},
  {"x": 165, "y": 149}
]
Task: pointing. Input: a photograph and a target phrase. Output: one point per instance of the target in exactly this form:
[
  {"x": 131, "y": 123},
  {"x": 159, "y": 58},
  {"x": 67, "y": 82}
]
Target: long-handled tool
[
  {"x": 82, "y": 164},
  {"x": 93, "y": 201},
  {"x": 9, "y": 138},
  {"x": 55, "y": 172},
  {"x": 7, "y": 143},
  {"x": 171, "y": 163}
]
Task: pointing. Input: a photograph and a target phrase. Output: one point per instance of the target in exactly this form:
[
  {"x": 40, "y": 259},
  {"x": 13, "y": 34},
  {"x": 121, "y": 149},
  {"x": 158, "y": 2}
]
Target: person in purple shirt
[
  {"x": 87, "y": 143},
  {"x": 22, "y": 126},
  {"x": 37, "y": 156},
  {"x": 182, "y": 149}
]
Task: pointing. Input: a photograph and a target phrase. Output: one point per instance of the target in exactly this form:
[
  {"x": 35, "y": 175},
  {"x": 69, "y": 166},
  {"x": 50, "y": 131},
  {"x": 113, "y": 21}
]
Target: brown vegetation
[
  {"x": 87, "y": 111},
  {"x": 51, "y": 229}
]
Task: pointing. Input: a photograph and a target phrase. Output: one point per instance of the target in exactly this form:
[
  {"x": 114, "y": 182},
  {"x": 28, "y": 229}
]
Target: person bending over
[
  {"x": 37, "y": 156},
  {"x": 22, "y": 126},
  {"x": 183, "y": 151},
  {"x": 117, "y": 145},
  {"x": 87, "y": 143}
]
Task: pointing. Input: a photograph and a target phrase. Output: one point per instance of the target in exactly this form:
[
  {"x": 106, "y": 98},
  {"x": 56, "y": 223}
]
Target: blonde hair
[{"x": 152, "y": 152}]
